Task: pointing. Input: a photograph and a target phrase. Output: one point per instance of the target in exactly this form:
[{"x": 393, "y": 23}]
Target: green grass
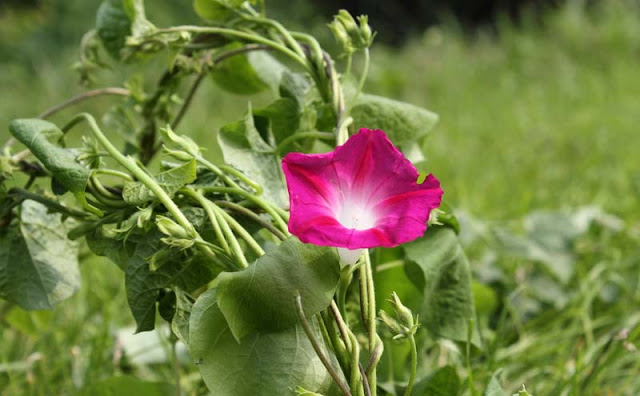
[{"x": 540, "y": 116}]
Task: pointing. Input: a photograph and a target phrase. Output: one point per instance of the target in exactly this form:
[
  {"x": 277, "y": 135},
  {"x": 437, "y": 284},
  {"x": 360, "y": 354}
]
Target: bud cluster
[
  {"x": 403, "y": 325},
  {"x": 351, "y": 35}
]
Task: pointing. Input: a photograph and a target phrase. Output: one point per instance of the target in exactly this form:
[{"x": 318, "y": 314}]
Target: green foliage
[
  {"x": 127, "y": 385},
  {"x": 443, "y": 382},
  {"x": 493, "y": 387},
  {"x": 153, "y": 268},
  {"x": 171, "y": 180},
  {"x": 439, "y": 268},
  {"x": 113, "y": 26},
  {"x": 548, "y": 291},
  {"x": 219, "y": 10},
  {"x": 266, "y": 363},
  {"x": 245, "y": 149},
  {"x": 118, "y": 19},
  {"x": 242, "y": 74},
  {"x": 261, "y": 297},
  {"x": 403, "y": 122},
  {"x": 43, "y": 139},
  {"x": 38, "y": 263}
]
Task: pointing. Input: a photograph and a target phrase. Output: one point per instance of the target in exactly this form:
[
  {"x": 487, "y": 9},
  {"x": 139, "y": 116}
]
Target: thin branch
[
  {"x": 246, "y": 212},
  {"x": 83, "y": 96},
  {"x": 78, "y": 98},
  {"x": 365, "y": 381},
  {"x": 22, "y": 195},
  {"x": 325, "y": 361},
  {"x": 188, "y": 99}
]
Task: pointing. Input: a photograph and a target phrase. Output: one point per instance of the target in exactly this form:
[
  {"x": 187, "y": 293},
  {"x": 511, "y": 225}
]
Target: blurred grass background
[{"x": 542, "y": 113}]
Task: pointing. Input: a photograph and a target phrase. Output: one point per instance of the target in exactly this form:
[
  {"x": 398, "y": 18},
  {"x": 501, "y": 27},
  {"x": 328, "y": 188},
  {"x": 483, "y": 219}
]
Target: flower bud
[
  {"x": 179, "y": 243},
  {"x": 394, "y": 326},
  {"x": 181, "y": 142},
  {"x": 341, "y": 36},
  {"x": 404, "y": 314},
  {"x": 144, "y": 215},
  {"x": 365, "y": 30},
  {"x": 350, "y": 25},
  {"x": 171, "y": 228},
  {"x": 177, "y": 154}
]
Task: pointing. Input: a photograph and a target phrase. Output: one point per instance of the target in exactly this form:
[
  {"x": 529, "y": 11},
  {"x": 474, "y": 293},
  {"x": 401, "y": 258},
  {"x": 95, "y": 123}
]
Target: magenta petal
[{"x": 363, "y": 194}]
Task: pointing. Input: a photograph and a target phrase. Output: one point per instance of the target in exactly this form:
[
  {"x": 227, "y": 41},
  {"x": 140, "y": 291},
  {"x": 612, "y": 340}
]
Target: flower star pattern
[{"x": 361, "y": 195}]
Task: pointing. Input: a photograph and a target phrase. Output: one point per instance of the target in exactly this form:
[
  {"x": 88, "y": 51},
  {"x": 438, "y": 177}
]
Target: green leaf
[
  {"x": 261, "y": 297},
  {"x": 181, "y": 317},
  {"x": 444, "y": 382},
  {"x": 403, "y": 122},
  {"x": 38, "y": 263},
  {"x": 393, "y": 278},
  {"x": 283, "y": 115},
  {"x": 494, "y": 388},
  {"x": 439, "y": 267},
  {"x": 126, "y": 385},
  {"x": 136, "y": 193},
  {"x": 118, "y": 19},
  {"x": 247, "y": 73},
  {"x": 113, "y": 26},
  {"x": 139, "y": 23},
  {"x": 237, "y": 75},
  {"x": 183, "y": 269},
  {"x": 263, "y": 364},
  {"x": 42, "y": 137},
  {"x": 219, "y": 10},
  {"x": 244, "y": 148}
]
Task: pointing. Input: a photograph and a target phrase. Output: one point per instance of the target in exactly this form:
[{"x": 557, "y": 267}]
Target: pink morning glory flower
[{"x": 363, "y": 194}]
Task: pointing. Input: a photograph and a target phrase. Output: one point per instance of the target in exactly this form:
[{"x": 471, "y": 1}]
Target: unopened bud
[
  {"x": 404, "y": 314},
  {"x": 177, "y": 154},
  {"x": 144, "y": 216},
  {"x": 394, "y": 326},
  {"x": 350, "y": 25},
  {"x": 341, "y": 36},
  {"x": 180, "y": 141},
  {"x": 365, "y": 30},
  {"x": 171, "y": 228},
  {"x": 179, "y": 243}
]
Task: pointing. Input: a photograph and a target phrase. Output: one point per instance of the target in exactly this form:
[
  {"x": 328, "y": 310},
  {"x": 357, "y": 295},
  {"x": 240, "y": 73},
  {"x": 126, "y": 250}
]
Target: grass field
[{"x": 542, "y": 116}]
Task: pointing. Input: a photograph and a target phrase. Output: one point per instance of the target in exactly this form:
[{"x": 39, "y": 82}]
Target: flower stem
[
  {"x": 130, "y": 164},
  {"x": 242, "y": 232},
  {"x": 294, "y": 55},
  {"x": 113, "y": 172},
  {"x": 251, "y": 215},
  {"x": 363, "y": 78},
  {"x": 316, "y": 347},
  {"x": 414, "y": 365},
  {"x": 374, "y": 339},
  {"x": 343, "y": 286},
  {"x": 262, "y": 204},
  {"x": 213, "y": 219}
]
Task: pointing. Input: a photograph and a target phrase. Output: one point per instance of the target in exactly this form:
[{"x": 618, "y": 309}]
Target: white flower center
[{"x": 356, "y": 215}]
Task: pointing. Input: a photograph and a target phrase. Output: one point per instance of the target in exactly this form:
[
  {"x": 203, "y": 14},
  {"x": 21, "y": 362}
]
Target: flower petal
[{"x": 363, "y": 194}]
